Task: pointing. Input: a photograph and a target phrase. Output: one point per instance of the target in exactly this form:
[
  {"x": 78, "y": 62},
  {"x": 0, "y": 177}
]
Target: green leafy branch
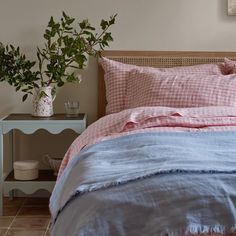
[
  {"x": 17, "y": 70},
  {"x": 66, "y": 50}
]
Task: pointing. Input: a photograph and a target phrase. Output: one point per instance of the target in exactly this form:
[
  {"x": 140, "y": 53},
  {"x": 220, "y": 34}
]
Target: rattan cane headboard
[{"x": 156, "y": 59}]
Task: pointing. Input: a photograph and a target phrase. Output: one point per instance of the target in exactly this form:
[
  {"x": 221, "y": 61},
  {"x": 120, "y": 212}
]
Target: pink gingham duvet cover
[{"x": 153, "y": 119}]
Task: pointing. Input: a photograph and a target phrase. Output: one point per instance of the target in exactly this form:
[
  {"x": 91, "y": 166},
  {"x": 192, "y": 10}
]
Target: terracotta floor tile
[
  {"x": 34, "y": 211},
  {"x": 30, "y": 223},
  {"x": 16, "y": 201},
  {"x": 2, "y": 231},
  {"x": 49, "y": 223},
  {"x": 5, "y": 221},
  {"x": 47, "y": 233},
  {"x": 36, "y": 202},
  {"x": 32, "y": 219},
  {"x": 20, "y": 232},
  {"x": 10, "y": 210}
]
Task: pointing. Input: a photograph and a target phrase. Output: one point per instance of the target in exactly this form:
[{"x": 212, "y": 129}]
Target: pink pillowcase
[
  {"x": 155, "y": 89},
  {"x": 117, "y": 75},
  {"x": 228, "y": 67}
]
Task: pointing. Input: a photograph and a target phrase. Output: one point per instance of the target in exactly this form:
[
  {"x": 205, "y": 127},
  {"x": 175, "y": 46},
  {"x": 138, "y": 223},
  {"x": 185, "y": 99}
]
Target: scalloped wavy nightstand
[{"x": 29, "y": 124}]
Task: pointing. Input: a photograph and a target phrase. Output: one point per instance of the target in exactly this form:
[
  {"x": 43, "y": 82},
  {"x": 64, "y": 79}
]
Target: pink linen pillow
[
  {"x": 155, "y": 89},
  {"x": 228, "y": 67},
  {"x": 201, "y": 69},
  {"x": 117, "y": 74}
]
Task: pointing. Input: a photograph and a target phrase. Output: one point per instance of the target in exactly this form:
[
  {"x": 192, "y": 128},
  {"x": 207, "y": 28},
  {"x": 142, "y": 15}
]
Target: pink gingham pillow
[
  {"x": 202, "y": 69},
  {"x": 155, "y": 89},
  {"x": 117, "y": 74},
  {"x": 228, "y": 67}
]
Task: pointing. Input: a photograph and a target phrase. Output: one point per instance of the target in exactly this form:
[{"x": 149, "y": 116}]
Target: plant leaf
[{"x": 24, "y": 97}]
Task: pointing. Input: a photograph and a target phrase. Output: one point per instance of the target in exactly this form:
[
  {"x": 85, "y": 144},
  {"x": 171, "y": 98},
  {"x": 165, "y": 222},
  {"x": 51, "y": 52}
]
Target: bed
[{"x": 153, "y": 166}]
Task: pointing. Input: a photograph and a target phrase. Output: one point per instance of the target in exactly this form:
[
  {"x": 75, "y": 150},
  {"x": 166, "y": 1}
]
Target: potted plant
[{"x": 65, "y": 51}]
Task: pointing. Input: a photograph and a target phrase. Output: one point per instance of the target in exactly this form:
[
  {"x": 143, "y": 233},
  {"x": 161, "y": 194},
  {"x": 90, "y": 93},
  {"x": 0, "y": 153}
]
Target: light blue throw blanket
[{"x": 149, "y": 184}]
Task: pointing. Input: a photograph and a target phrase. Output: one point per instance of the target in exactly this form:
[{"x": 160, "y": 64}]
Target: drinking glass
[{"x": 72, "y": 108}]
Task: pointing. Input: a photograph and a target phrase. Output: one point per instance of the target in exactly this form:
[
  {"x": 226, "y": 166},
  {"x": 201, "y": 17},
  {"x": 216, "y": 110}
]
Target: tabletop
[{"x": 25, "y": 116}]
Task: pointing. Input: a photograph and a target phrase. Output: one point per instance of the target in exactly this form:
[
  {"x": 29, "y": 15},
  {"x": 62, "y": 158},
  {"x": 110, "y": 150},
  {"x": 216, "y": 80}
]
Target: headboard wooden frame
[{"x": 156, "y": 59}]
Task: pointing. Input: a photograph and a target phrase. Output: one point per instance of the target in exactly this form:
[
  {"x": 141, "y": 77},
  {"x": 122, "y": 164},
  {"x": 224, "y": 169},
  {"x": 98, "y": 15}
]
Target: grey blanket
[{"x": 149, "y": 184}]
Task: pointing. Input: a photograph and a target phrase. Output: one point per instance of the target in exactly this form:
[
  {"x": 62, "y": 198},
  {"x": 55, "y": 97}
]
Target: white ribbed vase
[{"x": 43, "y": 102}]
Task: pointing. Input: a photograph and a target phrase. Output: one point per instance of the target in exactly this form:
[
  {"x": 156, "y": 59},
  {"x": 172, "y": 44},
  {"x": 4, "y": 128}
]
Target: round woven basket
[{"x": 54, "y": 163}]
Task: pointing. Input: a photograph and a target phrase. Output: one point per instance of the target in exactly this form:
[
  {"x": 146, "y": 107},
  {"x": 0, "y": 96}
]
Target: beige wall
[{"x": 141, "y": 25}]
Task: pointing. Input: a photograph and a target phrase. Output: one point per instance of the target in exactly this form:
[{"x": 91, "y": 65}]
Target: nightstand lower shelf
[
  {"x": 28, "y": 125},
  {"x": 45, "y": 181}
]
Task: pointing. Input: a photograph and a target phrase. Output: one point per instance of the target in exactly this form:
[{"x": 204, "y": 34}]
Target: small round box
[{"x": 26, "y": 170}]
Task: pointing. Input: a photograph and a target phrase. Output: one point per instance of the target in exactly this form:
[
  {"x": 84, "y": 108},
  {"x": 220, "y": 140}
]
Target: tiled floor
[{"x": 25, "y": 217}]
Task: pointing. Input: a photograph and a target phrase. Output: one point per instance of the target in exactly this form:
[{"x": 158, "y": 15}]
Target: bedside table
[{"x": 28, "y": 125}]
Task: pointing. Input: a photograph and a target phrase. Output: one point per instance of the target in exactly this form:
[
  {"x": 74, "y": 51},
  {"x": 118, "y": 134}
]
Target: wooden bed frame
[{"x": 156, "y": 59}]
